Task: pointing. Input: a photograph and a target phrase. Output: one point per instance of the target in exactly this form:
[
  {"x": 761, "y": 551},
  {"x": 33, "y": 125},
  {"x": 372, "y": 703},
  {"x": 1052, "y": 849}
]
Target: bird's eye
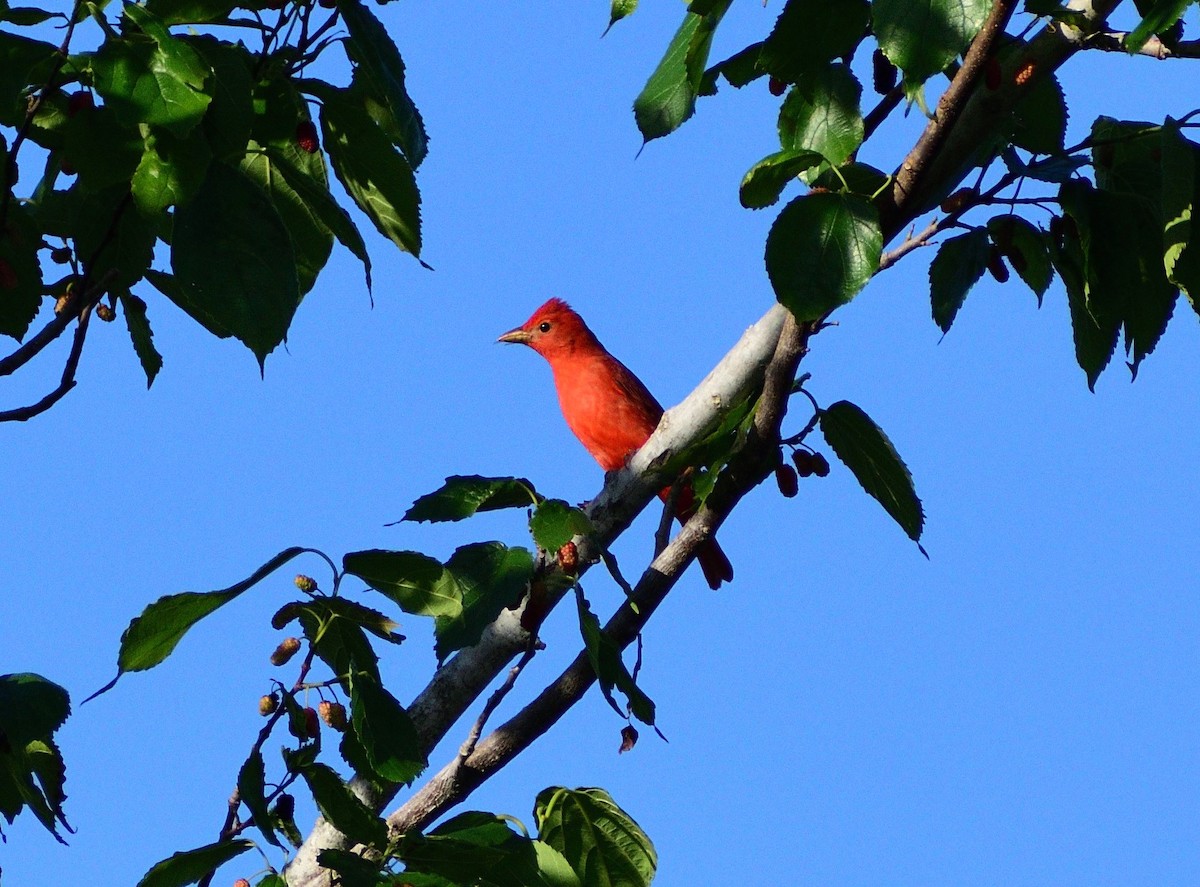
[{"x": 544, "y": 326}]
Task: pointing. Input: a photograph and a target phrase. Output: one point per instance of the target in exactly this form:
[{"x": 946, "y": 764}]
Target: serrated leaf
[
  {"x": 866, "y": 451},
  {"x": 170, "y": 171},
  {"x": 605, "y": 657},
  {"x": 383, "y": 627},
  {"x": 958, "y": 265},
  {"x": 480, "y": 848},
  {"x": 1040, "y": 118},
  {"x": 765, "y": 181},
  {"x": 1180, "y": 189},
  {"x": 127, "y": 248},
  {"x": 374, "y": 173},
  {"x": 669, "y": 96},
  {"x": 739, "y": 69},
  {"x": 189, "y": 12},
  {"x": 342, "y": 808},
  {"x": 1026, "y": 248},
  {"x": 417, "y": 582},
  {"x": 821, "y": 114},
  {"x": 602, "y": 842},
  {"x": 353, "y": 870},
  {"x": 22, "y": 62},
  {"x": 20, "y": 272},
  {"x": 922, "y": 37},
  {"x": 104, "y": 151},
  {"x": 339, "y": 643},
  {"x": 808, "y": 35},
  {"x": 31, "y": 708},
  {"x": 379, "y": 62},
  {"x": 554, "y": 523},
  {"x": 385, "y": 733},
  {"x": 140, "y": 334},
  {"x": 230, "y": 115},
  {"x": 233, "y": 260},
  {"x": 252, "y": 790},
  {"x": 490, "y": 578},
  {"x": 618, "y": 10},
  {"x": 464, "y": 495},
  {"x": 821, "y": 251},
  {"x": 152, "y": 636},
  {"x": 188, "y": 867}
]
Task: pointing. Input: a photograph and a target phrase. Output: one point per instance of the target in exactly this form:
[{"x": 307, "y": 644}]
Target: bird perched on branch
[{"x": 606, "y": 406}]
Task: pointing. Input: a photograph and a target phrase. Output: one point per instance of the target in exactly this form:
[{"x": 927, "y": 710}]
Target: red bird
[{"x": 606, "y": 406}]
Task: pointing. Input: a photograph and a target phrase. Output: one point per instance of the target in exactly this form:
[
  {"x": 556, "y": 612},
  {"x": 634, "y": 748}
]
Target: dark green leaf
[
  {"x": 379, "y": 61},
  {"x": 1026, "y": 248},
  {"x": 922, "y": 37},
  {"x": 373, "y": 621},
  {"x": 669, "y": 96},
  {"x": 490, "y": 577},
  {"x": 386, "y": 733},
  {"x": 343, "y": 809},
  {"x": 739, "y": 69},
  {"x": 808, "y": 34},
  {"x": 103, "y": 150},
  {"x": 1054, "y": 9},
  {"x": 602, "y": 842},
  {"x": 1040, "y": 118},
  {"x": 958, "y": 265},
  {"x": 233, "y": 261},
  {"x": 554, "y": 523},
  {"x": 188, "y": 12},
  {"x": 252, "y": 790},
  {"x": 352, "y": 869},
  {"x": 464, "y": 495},
  {"x": 480, "y": 848},
  {"x": 31, "y": 708},
  {"x": 1160, "y": 16},
  {"x": 152, "y": 636},
  {"x": 852, "y": 178},
  {"x": 822, "y": 250},
  {"x": 141, "y": 335},
  {"x": 821, "y": 114},
  {"x": 605, "y": 657},
  {"x": 375, "y": 175},
  {"x": 619, "y": 9},
  {"x": 24, "y": 16},
  {"x": 189, "y": 867},
  {"x": 314, "y": 192},
  {"x": 170, "y": 171},
  {"x": 125, "y": 249},
  {"x": 870, "y": 456},
  {"x": 341, "y": 644},
  {"x": 418, "y": 583},
  {"x": 23, "y": 62},
  {"x": 765, "y": 181},
  {"x": 229, "y": 118},
  {"x": 20, "y": 272},
  {"x": 1180, "y": 190}
]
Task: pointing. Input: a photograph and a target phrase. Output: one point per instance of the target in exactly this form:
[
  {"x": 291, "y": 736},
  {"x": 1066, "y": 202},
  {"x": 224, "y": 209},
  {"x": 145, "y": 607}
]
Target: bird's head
[{"x": 553, "y": 330}]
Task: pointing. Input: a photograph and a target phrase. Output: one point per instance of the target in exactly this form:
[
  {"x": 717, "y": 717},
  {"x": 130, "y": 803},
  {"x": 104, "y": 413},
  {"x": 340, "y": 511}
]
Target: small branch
[
  {"x": 663, "y": 534},
  {"x": 909, "y": 176},
  {"x": 494, "y": 701},
  {"x": 614, "y": 570},
  {"x": 1155, "y": 48},
  {"x": 882, "y": 111}
]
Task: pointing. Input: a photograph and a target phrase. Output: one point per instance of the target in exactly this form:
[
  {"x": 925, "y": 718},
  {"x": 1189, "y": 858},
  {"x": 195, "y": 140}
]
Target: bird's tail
[{"x": 714, "y": 564}]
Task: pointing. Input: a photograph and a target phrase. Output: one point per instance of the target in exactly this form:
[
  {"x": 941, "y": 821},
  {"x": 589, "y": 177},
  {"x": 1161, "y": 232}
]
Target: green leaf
[
  {"x": 31, "y": 708},
  {"x": 821, "y": 251},
  {"x": 170, "y": 171},
  {"x": 922, "y": 37},
  {"x": 234, "y": 263},
  {"x": 480, "y": 848},
  {"x": 1026, "y": 249},
  {"x": 23, "y": 62},
  {"x": 386, "y": 733},
  {"x": 352, "y": 869},
  {"x": 126, "y": 249},
  {"x": 765, "y": 181},
  {"x": 155, "y": 79},
  {"x": 1076, "y": 18},
  {"x": 958, "y": 265},
  {"x": 821, "y": 114},
  {"x": 188, "y": 867},
  {"x": 20, "y": 272},
  {"x": 379, "y": 61},
  {"x": 314, "y": 192},
  {"x": 383, "y": 627},
  {"x": 230, "y": 115},
  {"x": 669, "y": 96},
  {"x": 24, "y": 16},
  {"x": 375, "y": 175},
  {"x": 1160, "y": 16},
  {"x": 340, "y": 644},
  {"x": 464, "y": 495},
  {"x": 605, "y": 657},
  {"x": 870, "y": 456},
  {"x": 1180, "y": 189},
  {"x": 252, "y": 790},
  {"x": 152, "y": 636},
  {"x": 343, "y": 809},
  {"x": 103, "y": 150},
  {"x": 1040, "y": 118},
  {"x": 619, "y": 9},
  {"x": 189, "y": 12},
  {"x": 140, "y": 334},
  {"x": 808, "y": 34},
  {"x": 418, "y": 583},
  {"x": 554, "y": 523},
  {"x": 490, "y": 577},
  {"x": 739, "y": 69},
  {"x": 603, "y": 843}
]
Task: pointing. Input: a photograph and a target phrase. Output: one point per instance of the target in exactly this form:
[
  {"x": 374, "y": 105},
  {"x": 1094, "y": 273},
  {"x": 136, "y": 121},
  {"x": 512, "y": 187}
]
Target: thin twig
[
  {"x": 1155, "y": 48},
  {"x": 494, "y": 701},
  {"x": 610, "y": 561}
]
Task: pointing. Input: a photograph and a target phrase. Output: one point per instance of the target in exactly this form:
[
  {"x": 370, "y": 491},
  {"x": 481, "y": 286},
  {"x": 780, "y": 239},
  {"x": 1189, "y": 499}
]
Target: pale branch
[
  {"x": 494, "y": 702},
  {"x": 746, "y": 469},
  {"x": 457, "y": 684},
  {"x": 908, "y": 178},
  {"x": 1155, "y": 48}
]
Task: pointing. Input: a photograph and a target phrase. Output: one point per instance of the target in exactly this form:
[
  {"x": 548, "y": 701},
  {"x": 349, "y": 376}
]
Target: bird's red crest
[{"x": 552, "y": 310}]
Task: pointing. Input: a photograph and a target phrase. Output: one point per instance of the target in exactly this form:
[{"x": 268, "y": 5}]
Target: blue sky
[{"x": 1018, "y": 709}]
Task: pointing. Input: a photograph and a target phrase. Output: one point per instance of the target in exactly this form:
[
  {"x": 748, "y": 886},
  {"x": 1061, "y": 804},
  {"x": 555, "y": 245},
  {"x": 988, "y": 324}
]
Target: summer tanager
[{"x": 605, "y": 405}]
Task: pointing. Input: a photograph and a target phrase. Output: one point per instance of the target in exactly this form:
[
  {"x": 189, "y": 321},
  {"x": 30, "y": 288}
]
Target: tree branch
[{"x": 1155, "y": 48}]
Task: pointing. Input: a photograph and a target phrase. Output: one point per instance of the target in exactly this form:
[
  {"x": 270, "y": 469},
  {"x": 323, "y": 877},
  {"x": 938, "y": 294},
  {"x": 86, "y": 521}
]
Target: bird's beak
[{"x": 518, "y": 335}]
